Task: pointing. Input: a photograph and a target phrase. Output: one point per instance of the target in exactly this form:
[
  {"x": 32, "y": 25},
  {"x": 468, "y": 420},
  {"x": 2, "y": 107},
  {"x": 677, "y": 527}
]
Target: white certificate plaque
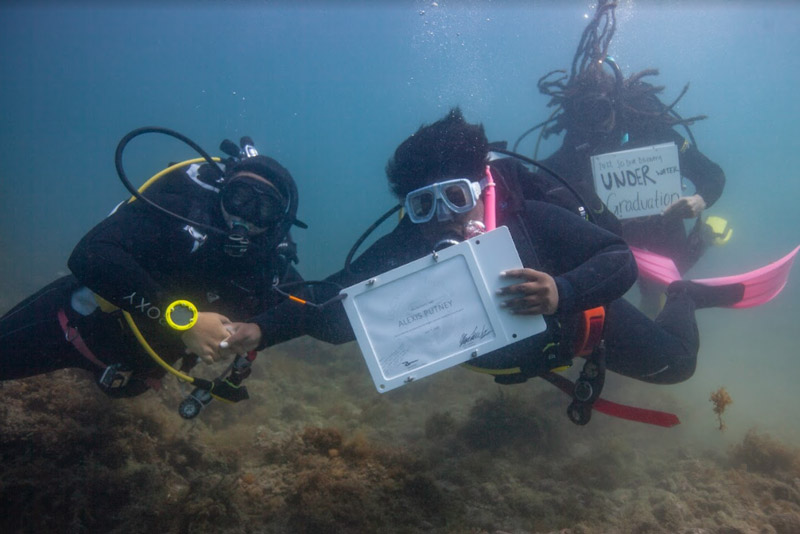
[{"x": 438, "y": 311}]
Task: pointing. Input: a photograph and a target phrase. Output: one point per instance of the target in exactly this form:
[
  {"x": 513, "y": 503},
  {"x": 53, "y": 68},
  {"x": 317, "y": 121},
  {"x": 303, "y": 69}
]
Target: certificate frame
[{"x": 438, "y": 311}]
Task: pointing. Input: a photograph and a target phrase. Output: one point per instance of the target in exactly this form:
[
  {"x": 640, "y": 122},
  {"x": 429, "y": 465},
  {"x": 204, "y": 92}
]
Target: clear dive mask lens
[{"x": 452, "y": 196}]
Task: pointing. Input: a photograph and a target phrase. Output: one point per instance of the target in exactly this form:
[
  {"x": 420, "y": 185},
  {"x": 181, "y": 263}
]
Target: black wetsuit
[
  {"x": 662, "y": 235},
  {"x": 591, "y": 267},
  {"x": 140, "y": 261}
]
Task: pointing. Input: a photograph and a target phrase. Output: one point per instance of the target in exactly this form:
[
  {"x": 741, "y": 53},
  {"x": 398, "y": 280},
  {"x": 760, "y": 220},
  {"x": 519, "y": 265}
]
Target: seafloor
[{"x": 317, "y": 450}]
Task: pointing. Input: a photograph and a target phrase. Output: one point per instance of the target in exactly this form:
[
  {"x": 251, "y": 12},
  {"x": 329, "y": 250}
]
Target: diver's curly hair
[
  {"x": 448, "y": 148},
  {"x": 636, "y": 101}
]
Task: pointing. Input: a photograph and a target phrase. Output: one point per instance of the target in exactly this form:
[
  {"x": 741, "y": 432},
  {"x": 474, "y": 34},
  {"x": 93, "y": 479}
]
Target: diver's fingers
[
  {"x": 226, "y": 349},
  {"x": 686, "y": 207},
  {"x": 541, "y": 292},
  {"x": 538, "y": 294},
  {"x": 247, "y": 337},
  {"x": 681, "y": 207},
  {"x": 516, "y": 303},
  {"x": 676, "y": 208},
  {"x": 526, "y": 274},
  {"x": 533, "y": 310},
  {"x": 530, "y": 305},
  {"x": 696, "y": 204},
  {"x": 530, "y": 295},
  {"x": 537, "y": 298},
  {"x": 533, "y": 285}
]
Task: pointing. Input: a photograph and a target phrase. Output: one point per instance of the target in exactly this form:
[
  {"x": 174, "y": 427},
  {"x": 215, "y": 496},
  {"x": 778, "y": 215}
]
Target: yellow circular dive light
[{"x": 181, "y": 315}]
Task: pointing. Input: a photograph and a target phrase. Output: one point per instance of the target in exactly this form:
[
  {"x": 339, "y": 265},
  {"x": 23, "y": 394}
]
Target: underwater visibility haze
[{"x": 330, "y": 89}]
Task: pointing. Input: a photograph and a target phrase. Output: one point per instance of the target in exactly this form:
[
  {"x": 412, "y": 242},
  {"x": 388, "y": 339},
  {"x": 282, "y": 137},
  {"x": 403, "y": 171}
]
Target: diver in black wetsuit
[
  {"x": 600, "y": 112},
  {"x": 640, "y": 125},
  {"x": 570, "y": 264},
  {"x": 139, "y": 260}
]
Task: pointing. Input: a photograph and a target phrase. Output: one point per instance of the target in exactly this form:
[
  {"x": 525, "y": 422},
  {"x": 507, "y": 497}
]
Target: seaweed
[
  {"x": 501, "y": 421},
  {"x": 762, "y": 453},
  {"x": 438, "y": 460},
  {"x": 720, "y": 399}
]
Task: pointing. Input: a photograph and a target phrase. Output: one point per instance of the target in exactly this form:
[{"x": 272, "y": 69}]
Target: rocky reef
[{"x": 317, "y": 450}]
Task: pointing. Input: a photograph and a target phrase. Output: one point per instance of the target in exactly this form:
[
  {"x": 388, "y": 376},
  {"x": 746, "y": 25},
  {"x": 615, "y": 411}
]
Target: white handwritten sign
[
  {"x": 437, "y": 311},
  {"x": 638, "y": 182}
]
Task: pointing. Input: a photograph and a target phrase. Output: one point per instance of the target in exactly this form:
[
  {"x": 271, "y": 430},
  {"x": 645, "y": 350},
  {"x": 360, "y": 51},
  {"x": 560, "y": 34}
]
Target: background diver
[{"x": 600, "y": 111}]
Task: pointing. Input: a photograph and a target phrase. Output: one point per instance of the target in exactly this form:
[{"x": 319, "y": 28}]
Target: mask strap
[{"x": 260, "y": 179}]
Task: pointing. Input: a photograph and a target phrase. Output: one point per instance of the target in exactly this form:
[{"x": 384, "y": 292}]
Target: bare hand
[
  {"x": 537, "y": 295},
  {"x": 686, "y": 207},
  {"x": 245, "y": 337},
  {"x": 204, "y": 337}
]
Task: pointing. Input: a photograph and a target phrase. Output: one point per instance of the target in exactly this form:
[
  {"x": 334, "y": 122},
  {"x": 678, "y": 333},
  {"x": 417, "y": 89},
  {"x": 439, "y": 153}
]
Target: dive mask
[
  {"x": 594, "y": 113},
  {"x": 443, "y": 198},
  {"x": 254, "y": 200}
]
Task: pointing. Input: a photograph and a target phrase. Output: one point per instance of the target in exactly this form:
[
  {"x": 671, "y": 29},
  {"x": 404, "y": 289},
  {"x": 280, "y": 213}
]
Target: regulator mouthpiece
[
  {"x": 238, "y": 240},
  {"x": 474, "y": 228}
]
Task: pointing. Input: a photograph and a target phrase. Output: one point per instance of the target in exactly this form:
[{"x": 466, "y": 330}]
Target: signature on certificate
[{"x": 476, "y": 335}]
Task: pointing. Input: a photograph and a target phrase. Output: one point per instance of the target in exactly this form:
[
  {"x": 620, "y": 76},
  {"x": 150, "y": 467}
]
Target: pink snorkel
[{"x": 489, "y": 203}]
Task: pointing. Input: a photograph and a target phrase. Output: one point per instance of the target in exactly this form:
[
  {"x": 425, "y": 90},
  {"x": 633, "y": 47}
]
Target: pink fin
[
  {"x": 761, "y": 285},
  {"x": 655, "y": 267}
]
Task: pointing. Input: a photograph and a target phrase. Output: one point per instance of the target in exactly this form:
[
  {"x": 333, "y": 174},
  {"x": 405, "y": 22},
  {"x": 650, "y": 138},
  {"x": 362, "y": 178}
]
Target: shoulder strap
[
  {"x": 512, "y": 206},
  {"x": 522, "y": 237}
]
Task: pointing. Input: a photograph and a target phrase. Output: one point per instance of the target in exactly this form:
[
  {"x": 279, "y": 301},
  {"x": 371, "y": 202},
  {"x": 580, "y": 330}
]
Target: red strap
[
  {"x": 632, "y": 413},
  {"x": 73, "y": 336},
  {"x": 623, "y": 411}
]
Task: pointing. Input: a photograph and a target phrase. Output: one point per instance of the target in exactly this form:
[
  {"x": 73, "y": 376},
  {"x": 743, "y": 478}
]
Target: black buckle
[
  {"x": 115, "y": 376},
  {"x": 588, "y": 386},
  {"x": 191, "y": 406}
]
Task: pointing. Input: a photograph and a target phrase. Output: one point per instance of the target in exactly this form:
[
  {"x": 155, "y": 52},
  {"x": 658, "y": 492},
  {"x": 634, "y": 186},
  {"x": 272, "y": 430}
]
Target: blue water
[{"x": 330, "y": 89}]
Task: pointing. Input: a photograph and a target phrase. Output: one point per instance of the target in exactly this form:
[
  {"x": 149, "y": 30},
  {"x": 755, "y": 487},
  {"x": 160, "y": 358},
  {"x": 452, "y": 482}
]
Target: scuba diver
[
  {"x": 600, "y": 112},
  {"x": 575, "y": 274},
  {"x": 203, "y": 241}
]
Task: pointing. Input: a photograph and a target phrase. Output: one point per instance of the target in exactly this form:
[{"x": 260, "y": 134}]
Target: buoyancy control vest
[{"x": 578, "y": 334}]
